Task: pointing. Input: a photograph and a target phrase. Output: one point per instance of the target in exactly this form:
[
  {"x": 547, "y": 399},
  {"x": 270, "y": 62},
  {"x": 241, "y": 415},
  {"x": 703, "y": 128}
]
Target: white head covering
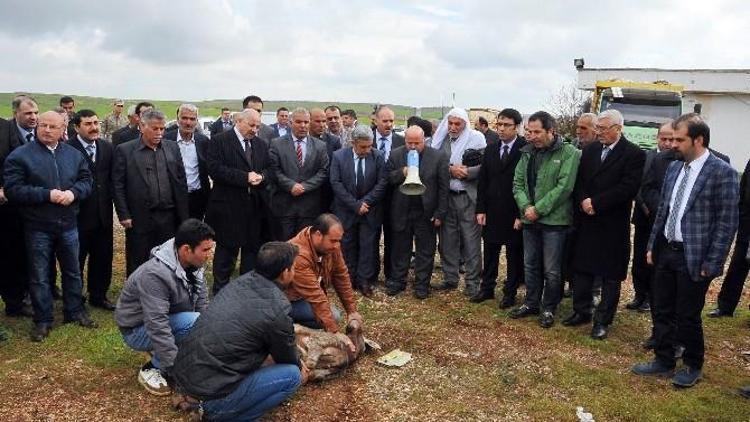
[{"x": 468, "y": 138}]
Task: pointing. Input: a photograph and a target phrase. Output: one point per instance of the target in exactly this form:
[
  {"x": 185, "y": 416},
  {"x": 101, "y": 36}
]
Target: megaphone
[{"x": 412, "y": 186}]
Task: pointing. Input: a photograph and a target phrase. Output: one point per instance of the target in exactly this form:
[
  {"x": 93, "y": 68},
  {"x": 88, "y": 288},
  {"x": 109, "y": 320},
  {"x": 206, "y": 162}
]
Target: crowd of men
[{"x": 330, "y": 188}]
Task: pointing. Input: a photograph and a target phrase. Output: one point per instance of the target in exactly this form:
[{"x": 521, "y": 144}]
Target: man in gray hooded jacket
[{"x": 162, "y": 299}]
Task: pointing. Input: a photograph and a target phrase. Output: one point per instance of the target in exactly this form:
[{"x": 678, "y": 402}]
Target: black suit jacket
[
  {"x": 216, "y": 127},
  {"x": 603, "y": 243},
  {"x": 201, "y": 148},
  {"x": 125, "y": 134},
  {"x": 313, "y": 176},
  {"x": 275, "y": 127},
  {"x": 10, "y": 139},
  {"x": 433, "y": 172},
  {"x": 343, "y": 182},
  {"x": 495, "y": 191},
  {"x": 96, "y": 211},
  {"x": 131, "y": 190},
  {"x": 236, "y": 209}
]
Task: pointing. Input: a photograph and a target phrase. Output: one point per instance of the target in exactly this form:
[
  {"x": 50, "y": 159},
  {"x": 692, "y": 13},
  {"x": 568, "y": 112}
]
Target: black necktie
[
  {"x": 360, "y": 178},
  {"x": 504, "y": 154},
  {"x": 29, "y": 137},
  {"x": 248, "y": 151}
]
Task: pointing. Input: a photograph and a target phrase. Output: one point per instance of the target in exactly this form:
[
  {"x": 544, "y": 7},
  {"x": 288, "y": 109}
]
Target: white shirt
[
  {"x": 695, "y": 169},
  {"x": 190, "y": 160},
  {"x": 388, "y": 143},
  {"x": 240, "y": 137},
  {"x": 283, "y": 130}
]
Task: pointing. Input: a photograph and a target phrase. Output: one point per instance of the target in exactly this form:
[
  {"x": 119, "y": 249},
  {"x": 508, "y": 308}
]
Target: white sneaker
[{"x": 153, "y": 382}]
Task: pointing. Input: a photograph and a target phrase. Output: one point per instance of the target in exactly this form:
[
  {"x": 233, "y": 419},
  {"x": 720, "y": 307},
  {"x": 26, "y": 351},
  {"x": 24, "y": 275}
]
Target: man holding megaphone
[{"x": 416, "y": 211}]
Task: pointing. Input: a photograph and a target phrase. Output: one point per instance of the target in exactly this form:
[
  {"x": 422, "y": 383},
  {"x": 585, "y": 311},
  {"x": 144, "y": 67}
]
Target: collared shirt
[
  {"x": 388, "y": 143},
  {"x": 509, "y": 144},
  {"x": 364, "y": 164},
  {"x": 303, "y": 144},
  {"x": 283, "y": 130},
  {"x": 88, "y": 147},
  {"x": 157, "y": 176},
  {"x": 24, "y": 134},
  {"x": 190, "y": 160},
  {"x": 695, "y": 169},
  {"x": 226, "y": 124},
  {"x": 240, "y": 137}
]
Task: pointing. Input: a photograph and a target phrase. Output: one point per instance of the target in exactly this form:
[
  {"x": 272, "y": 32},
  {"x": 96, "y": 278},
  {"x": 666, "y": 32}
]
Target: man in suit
[
  {"x": 358, "y": 181},
  {"x": 690, "y": 240},
  {"x": 497, "y": 211},
  {"x": 222, "y": 124},
  {"x": 333, "y": 121},
  {"x": 608, "y": 180},
  {"x": 333, "y": 143},
  {"x": 419, "y": 216},
  {"x": 238, "y": 162},
  {"x": 265, "y": 132},
  {"x": 193, "y": 147},
  {"x": 385, "y": 142},
  {"x": 460, "y": 235},
  {"x": 150, "y": 189},
  {"x": 95, "y": 234},
  {"x": 14, "y": 283},
  {"x": 299, "y": 163},
  {"x": 483, "y": 126},
  {"x": 281, "y": 127},
  {"x": 131, "y": 131},
  {"x": 68, "y": 105},
  {"x": 48, "y": 179}
]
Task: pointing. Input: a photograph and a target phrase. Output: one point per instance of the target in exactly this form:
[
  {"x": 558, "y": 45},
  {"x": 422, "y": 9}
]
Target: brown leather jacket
[{"x": 313, "y": 275}]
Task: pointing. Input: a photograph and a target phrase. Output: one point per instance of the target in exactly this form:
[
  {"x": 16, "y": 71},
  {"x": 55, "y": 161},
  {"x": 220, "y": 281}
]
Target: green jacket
[{"x": 554, "y": 184}]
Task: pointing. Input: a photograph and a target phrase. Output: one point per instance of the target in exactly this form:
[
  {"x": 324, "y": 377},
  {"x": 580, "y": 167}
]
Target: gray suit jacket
[
  {"x": 266, "y": 133},
  {"x": 312, "y": 175}
]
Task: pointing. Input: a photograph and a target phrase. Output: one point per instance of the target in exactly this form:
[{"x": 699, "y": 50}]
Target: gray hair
[
  {"x": 245, "y": 114},
  {"x": 613, "y": 115},
  {"x": 299, "y": 110},
  {"x": 361, "y": 132},
  {"x": 21, "y": 99},
  {"x": 188, "y": 107},
  {"x": 131, "y": 110},
  {"x": 152, "y": 114},
  {"x": 589, "y": 116}
]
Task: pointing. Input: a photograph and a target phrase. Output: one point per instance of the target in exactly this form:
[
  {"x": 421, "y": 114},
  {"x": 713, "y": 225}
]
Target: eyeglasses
[
  {"x": 498, "y": 124},
  {"x": 604, "y": 128}
]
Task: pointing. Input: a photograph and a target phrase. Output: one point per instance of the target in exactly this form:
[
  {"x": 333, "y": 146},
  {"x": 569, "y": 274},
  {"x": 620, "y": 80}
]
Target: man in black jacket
[
  {"x": 132, "y": 131},
  {"x": 48, "y": 179},
  {"x": 95, "y": 233},
  {"x": 150, "y": 189},
  {"x": 221, "y": 362}
]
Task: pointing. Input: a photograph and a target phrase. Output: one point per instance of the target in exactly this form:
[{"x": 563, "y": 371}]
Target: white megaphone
[{"x": 412, "y": 186}]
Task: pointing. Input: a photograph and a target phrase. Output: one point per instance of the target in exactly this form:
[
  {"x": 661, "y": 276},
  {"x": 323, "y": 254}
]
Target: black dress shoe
[
  {"x": 24, "y": 311},
  {"x": 744, "y": 391},
  {"x": 636, "y": 303},
  {"x": 481, "y": 296},
  {"x": 650, "y": 343},
  {"x": 103, "y": 304},
  {"x": 40, "y": 332},
  {"x": 547, "y": 319},
  {"x": 446, "y": 286},
  {"x": 421, "y": 294},
  {"x": 393, "y": 290},
  {"x": 645, "y": 306},
  {"x": 599, "y": 332},
  {"x": 719, "y": 313},
  {"x": 507, "y": 302},
  {"x": 523, "y": 311},
  {"x": 576, "y": 319},
  {"x": 83, "y": 320}
]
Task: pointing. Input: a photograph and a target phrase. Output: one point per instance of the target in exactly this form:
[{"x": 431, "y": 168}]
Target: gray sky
[{"x": 490, "y": 53}]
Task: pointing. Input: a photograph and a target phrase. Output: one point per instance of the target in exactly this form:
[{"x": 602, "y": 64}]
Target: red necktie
[{"x": 299, "y": 153}]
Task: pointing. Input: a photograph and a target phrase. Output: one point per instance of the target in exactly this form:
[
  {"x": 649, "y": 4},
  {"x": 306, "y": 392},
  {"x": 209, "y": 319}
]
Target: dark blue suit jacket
[
  {"x": 343, "y": 183},
  {"x": 710, "y": 219}
]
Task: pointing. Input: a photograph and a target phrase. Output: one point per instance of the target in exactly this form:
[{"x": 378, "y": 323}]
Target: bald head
[
  {"x": 664, "y": 136},
  {"x": 50, "y": 128},
  {"x": 414, "y": 138},
  {"x": 317, "y": 122},
  {"x": 384, "y": 118}
]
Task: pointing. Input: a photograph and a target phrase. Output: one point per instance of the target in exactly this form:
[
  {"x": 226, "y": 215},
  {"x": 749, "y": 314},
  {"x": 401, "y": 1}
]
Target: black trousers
[
  {"x": 514, "y": 267},
  {"x": 583, "y": 297},
  {"x": 197, "y": 202},
  {"x": 357, "y": 246},
  {"x": 290, "y": 226},
  {"x": 14, "y": 279},
  {"x": 225, "y": 259},
  {"x": 677, "y": 303},
  {"x": 139, "y": 241},
  {"x": 642, "y": 272},
  {"x": 97, "y": 245},
  {"x": 734, "y": 281},
  {"x": 419, "y": 230}
]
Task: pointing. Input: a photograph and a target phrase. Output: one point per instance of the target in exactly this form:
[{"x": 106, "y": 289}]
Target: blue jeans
[
  {"x": 261, "y": 391},
  {"x": 41, "y": 247},
  {"x": 181, "y": 323},
  {"x": 302, "y": 313},
  {"x": 542, "y": 261}
]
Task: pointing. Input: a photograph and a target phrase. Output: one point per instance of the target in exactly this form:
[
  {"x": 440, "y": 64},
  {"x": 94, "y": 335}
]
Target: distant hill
[{"x": 210, "y": 108}]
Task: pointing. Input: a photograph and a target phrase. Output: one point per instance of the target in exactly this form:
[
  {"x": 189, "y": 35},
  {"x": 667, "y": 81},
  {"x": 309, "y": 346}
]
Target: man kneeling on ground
[
  {"x": 221, "y": 362},
  {"x": 162, "y": 299}
]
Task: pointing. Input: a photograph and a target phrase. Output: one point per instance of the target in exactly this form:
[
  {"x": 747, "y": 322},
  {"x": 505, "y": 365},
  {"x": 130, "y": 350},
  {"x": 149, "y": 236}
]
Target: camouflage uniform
[{"x": 112, "y": 123}]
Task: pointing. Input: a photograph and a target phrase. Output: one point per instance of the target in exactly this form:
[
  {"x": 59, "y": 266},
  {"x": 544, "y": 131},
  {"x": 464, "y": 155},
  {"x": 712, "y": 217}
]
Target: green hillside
[{"x": 209, "y": 107}]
